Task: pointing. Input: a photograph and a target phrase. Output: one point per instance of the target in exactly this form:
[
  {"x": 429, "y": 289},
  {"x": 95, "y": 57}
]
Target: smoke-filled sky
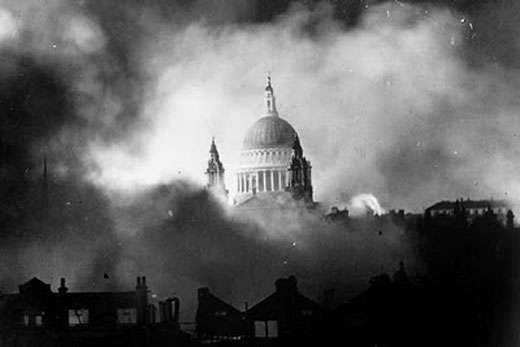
[
  {"x": 410, "y": 101},
  {"x": 406, "y": 103},
  {"x": 413, "y": 102}
]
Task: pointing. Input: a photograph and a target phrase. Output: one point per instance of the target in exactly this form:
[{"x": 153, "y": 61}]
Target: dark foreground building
[
  {"x": 284, "y": 318},
  {"x": 218, "y": 321},
  {"x": 287, "y": 318},
  {"x": 37, "y": 316}
]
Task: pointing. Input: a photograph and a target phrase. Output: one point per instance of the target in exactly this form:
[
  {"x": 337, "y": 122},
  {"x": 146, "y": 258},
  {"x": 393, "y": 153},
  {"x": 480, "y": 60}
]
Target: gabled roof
[
  {"x": 35, "y": 285},
  {"x": 285, "y": 297},
  {"x": 277, "y": 299},
  {"x": 212, "y": 301}
]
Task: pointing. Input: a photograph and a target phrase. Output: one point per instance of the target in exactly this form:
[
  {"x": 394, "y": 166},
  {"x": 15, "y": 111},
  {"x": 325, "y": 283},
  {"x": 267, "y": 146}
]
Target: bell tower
[
  {"x": 300, "y": 184},
  {"x": 215, "y": 171}
]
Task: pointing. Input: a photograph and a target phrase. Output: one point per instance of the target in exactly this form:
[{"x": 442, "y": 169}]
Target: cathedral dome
[
  {"x": 269, "y": 132},
  {"x": 272, "y": 165}
]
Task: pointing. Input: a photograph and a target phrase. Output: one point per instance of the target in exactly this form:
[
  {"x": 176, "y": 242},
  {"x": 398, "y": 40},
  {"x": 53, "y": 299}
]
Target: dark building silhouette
[
  {"x": 286, "y": 318},
  {"x": 218, "y": 321},
  {"x": 473, "y": 208},
  {"x": 393, "y": 311},
  {"x": 472, "y": 261},
  {"x": 37, "y": 316}
]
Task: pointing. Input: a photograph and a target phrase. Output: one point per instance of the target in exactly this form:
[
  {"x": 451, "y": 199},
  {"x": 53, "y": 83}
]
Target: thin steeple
[{"x": 270, "y": 100}]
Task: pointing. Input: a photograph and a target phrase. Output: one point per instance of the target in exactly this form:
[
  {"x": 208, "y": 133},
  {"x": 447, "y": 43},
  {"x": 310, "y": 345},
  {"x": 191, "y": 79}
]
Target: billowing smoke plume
[{"x": 365, "y": 203}]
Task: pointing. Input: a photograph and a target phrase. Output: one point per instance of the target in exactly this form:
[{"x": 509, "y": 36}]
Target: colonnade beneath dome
[{"x": 262, "y": 181}]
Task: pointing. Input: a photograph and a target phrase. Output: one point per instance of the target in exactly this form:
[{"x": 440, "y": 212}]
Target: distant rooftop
[{"x": 469, "y": 204}]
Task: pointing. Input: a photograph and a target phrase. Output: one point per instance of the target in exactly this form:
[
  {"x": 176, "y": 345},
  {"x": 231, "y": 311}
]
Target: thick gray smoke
[
  {"x": 391, "y": 106},
  {"x": 412, "y": 103},
  {"x": 182, "y": 237}
]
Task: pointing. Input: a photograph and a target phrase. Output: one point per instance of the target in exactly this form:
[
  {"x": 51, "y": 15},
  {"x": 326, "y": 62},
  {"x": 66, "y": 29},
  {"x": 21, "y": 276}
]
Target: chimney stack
[
  {"x": 62, "y": 289},
  {"x": 176, "y": 307},
  {"x": 286, "y": 286},
  {"x": 162, "y": 312}
]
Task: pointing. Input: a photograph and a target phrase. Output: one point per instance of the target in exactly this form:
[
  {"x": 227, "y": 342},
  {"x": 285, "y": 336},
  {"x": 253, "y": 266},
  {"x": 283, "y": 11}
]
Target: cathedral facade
[{"x": 272, "y": 168}]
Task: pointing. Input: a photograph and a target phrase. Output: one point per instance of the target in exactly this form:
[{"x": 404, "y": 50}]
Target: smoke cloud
[{"x": 390, "y": 106}]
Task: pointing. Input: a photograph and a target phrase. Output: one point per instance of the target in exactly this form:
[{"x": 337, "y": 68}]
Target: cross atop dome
[{"x": 270, "y": 100}]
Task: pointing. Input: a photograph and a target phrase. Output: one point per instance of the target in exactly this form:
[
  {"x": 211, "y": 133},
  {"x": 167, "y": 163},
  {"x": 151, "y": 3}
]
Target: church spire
[{"x": 270, "y": 100}]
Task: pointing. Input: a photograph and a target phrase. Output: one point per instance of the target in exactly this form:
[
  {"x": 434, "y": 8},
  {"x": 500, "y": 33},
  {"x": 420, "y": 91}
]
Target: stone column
[
  {"x": 264, "y": 188},
  {"x": 280, "y": 183},
  {"x": 272, "y": 180}
]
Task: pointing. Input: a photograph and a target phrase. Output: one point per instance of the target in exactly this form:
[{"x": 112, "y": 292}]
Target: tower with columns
[
  {"x": 215, "y": 171},
  {"x": 300, "y": 174}
]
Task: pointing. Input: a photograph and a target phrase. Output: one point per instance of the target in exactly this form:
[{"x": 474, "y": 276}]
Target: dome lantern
[{"x": 270, "y": 100}]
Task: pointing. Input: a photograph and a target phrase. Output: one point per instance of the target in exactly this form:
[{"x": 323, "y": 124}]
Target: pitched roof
[
  {"x": 277, "y": 299},
  {"x": 204, "y": 294},
  {"x": 35, "y": 285}
]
